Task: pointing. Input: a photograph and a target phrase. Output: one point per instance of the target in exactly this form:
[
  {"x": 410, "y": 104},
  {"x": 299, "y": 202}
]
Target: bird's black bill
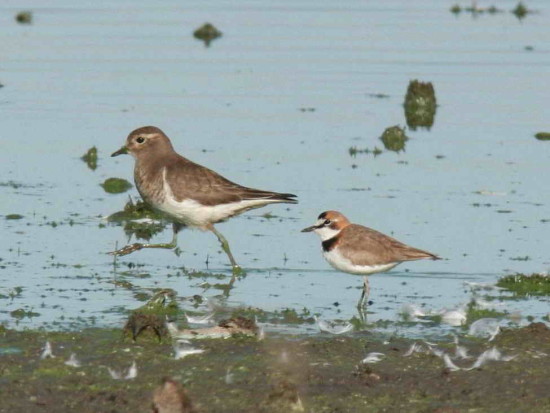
[
  {"x": 309, "y": 229},
  {"x": 121, "y": 151}
]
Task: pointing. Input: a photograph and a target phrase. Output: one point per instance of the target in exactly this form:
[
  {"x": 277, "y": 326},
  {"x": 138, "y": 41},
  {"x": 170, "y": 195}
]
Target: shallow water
[{"x": 275, "y": 103}]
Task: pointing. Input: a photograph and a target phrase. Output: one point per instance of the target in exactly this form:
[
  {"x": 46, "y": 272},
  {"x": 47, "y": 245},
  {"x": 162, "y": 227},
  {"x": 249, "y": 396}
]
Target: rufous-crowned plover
[
  {"x": 187, "y": 193},
  {"x": 356, "y": 249}
]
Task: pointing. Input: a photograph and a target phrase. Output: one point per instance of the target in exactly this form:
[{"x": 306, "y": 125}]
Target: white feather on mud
[
  {"x": 461, "y": 352},
  {"x": 183, "y": 348},
  {"x": 47, "y": 351},
  {"x": 333, "y": 327},
  {"x": 261, "y": 329},
  {"x": 435, "y": 351},
  {"x": 412, "y": 312},
  {"x": 73, "y": 361},
  {"x": 229, "y": 376},
  {"x": 373, "y": 358},
  {"x": 414, "y": 348},
  {"x": 205, "y": 319},
  {"x": 455, "y": 317},
  {"x": 488, "y": 355},
  {"x": 485, "y": 327},
  {"x": 449, "y": 363},
  {"x": 119, "y": 375}
]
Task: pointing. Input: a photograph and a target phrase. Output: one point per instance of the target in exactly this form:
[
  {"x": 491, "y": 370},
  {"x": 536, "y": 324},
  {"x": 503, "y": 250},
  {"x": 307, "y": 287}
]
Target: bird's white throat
[{"x": 326, "y": 232}]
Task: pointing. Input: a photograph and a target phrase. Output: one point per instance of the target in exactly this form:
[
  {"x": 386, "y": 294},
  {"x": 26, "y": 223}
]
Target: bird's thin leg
[
  {"x": 225, "y": 246},
  {"x": 128, "y": 249},
  {"x": 363, "y": 301},
  {"x": 362, "y": 311},
  {"x": 364, "y": 294}
]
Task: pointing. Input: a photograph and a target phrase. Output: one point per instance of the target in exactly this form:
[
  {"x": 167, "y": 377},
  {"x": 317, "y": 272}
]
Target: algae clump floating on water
[
  {"x": 116, "y": 185},
  {"x": 394, "y": 139},
  {"x": 521, "y": 11},
  {"x": 207, "y": 32},
  {"x": 543, "y": 136},
  {"x": 23, "y": 17},
  {"x": 420, "y": 104},
  {"x": 456, "y": 9}
]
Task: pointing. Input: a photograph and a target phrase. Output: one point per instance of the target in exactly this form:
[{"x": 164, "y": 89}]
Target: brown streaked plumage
[
  {"x": 357, "y": 249},
  {"x": 171, "y": 397},
  {"x": 188, "y": 193}
]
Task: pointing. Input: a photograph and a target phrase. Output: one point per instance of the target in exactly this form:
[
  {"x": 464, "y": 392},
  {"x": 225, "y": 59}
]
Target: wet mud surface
[{"x": 281, "y": 373}]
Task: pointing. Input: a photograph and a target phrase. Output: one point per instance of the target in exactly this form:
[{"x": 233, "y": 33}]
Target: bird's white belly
[
  {"x": 193, "y": 213},
  {"x": 341, "y": 263}
]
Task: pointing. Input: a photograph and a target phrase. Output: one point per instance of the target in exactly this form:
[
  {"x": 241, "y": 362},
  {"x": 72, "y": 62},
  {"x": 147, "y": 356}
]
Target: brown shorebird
[
  {"x": 356, "y": 249},
  {"x": 187, "y": 193}
]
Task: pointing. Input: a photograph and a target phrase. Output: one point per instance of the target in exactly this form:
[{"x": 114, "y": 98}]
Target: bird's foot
[
  {"x": 128, "y": 249},
  {"x": 237, "y": 270}
]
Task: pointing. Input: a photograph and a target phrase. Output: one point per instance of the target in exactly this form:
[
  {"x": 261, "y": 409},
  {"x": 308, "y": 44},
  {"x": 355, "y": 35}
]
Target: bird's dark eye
[
  {"x": 327, "y": 221},
  {"x": 141, "y": 139}
]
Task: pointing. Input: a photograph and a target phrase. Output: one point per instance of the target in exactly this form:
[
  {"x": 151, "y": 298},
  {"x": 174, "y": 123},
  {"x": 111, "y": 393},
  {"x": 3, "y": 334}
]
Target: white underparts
[
  {"x": 338, "y": 261},
  {"x": 192, "y": 213}
]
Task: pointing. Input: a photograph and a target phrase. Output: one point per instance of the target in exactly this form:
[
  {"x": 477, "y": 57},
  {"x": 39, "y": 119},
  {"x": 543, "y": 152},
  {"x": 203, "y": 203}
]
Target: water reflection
[
  {"x": 90, "y": 157},
  {"x": 139, "y": 220},
  {"x": 520, "y": 11}
]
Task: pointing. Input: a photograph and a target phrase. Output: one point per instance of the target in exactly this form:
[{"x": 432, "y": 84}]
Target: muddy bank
[{"x": 325, "y": 373}]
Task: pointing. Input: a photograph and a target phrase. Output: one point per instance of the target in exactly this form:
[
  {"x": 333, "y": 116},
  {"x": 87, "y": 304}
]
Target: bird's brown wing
[
  {"x": 365, "y": 246},
  {"x": 190, "y": 180}
]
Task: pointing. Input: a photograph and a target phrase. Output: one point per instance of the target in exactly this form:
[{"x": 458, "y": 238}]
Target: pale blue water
[{"x": 87, "y": 73}]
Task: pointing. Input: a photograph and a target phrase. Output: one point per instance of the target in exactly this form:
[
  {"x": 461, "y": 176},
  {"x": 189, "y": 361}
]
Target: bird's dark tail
[
  {"x": 288, "y": 198},
  {"x": 270, "y": 196}
]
